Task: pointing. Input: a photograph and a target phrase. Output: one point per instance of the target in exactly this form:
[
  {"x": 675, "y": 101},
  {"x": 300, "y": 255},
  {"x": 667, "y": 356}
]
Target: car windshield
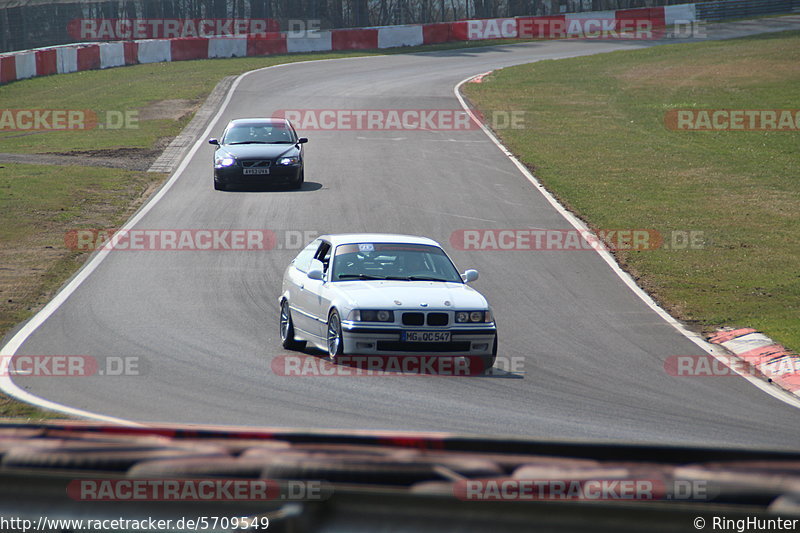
[
  {"x": 404, "y": 262},
  {"x": 259, "y": 134}
]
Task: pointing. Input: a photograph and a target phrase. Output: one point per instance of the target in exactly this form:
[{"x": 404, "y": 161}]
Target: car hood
[
  {"x": 263, "y": 151},
  {"x": 410, "y": 294}
]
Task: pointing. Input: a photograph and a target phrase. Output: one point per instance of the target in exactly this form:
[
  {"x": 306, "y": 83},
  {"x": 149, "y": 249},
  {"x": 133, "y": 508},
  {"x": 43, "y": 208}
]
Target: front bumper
[
  {"x": 277, "y": 174},
  {"x": 361, "y": 339}
]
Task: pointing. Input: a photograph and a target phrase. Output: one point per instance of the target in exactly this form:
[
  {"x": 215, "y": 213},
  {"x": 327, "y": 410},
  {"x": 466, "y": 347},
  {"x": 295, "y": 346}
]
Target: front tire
[
  {"x": 335, "y": 340},
  {"x": 287, "y": 329},
  {"x": 298, "y": 183}
]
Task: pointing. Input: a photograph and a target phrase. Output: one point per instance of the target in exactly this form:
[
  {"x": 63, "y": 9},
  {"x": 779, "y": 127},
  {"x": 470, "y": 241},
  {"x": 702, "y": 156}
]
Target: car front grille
[
  {"x": 413, "y": 319},
  {"x": 432, "y": 347},
  {"x": 438, "y": 319},
  {"x": 256, "y": 163},
  {"x": 419, "y": 319}
]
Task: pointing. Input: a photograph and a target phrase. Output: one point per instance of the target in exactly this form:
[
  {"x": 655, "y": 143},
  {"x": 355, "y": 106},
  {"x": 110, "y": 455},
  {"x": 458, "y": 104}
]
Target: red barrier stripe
[
  {"x": 653, "y": 14},
  {"x": 459, "y": 31},
  {"x": 271, "y": 43},
  {"x": 131, "y": 52},
  {"x": 8, "y": 69},
  {"x": 190, "y": 48},
  {"x": 354, "y": 39},
  {"x": 436, "y": 33},
  {"x": 46, "y": 62},
  {"x": 89, "y": 57}
]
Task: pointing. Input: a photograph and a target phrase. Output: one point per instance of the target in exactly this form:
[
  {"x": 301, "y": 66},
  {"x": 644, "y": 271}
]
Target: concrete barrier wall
[
  {"x": 396, "y": 36},
  {"x": 26, "y": 65},
  {"x": 313, "y": 42},
  {"x": 224, "y": 47},
  {"x": 112, "y": 55},
  {"x": 67, "y": 59},
  {"x": 154, "y": 51}
]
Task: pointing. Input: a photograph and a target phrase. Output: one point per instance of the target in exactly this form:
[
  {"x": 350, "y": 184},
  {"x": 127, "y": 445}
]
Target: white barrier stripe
[{"x": 26, "y": 65}]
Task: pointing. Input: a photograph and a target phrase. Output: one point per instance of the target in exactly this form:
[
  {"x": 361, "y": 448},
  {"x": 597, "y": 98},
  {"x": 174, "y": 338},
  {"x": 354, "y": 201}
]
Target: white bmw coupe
[{"x": 376, "y": 294}]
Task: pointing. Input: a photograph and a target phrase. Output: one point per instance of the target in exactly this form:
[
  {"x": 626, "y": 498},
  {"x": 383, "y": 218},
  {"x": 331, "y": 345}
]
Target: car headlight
[
  {"x": 473, "y": 316},
  {"x": 225, "y": 162},
  {"x": 371, "y": 315},
  {"x": 289, "y": 160}
]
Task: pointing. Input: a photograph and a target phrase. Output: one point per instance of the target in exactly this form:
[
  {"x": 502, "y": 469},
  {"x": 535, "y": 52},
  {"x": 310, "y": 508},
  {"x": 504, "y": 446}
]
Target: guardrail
[
  {"x": 731, "y": 9},
  {"x": 27, "y": 24}
]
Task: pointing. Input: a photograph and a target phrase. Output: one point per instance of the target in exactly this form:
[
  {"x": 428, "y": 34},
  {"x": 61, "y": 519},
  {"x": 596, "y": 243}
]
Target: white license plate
[
  {"x": 255, "y": 171},
  {"x": 426, "y": 336}
]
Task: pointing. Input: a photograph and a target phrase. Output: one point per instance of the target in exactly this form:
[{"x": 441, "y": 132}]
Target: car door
[
  {"x": 297, "y": 278},
  {"x": 311, "y": 292}
]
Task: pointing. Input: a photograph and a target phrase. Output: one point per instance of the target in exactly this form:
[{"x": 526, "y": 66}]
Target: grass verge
[{"x": 595, "y": 136}]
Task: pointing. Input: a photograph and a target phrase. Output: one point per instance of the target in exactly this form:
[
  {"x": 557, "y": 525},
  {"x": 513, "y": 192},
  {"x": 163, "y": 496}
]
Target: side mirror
[
  {"x": 469, "y": 275},
  {"x": 316, "y": 271},
  {"x": 213, "y": 141},
  {"x": 302, "y": 140}
]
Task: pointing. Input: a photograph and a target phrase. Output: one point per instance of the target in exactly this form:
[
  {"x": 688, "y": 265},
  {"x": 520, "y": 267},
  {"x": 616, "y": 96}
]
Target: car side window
[
  {"x": 324, "y": 254},
  {"x": 303, "y": 259}
]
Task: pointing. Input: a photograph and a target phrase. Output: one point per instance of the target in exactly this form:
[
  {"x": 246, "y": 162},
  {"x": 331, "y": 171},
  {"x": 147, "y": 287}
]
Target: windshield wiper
[
  {"x": 425, "y": 278},
  {"x": 358, "y": 276},
  {"x": 250, "y": 142},
  {"x": 415, "y": 278}
]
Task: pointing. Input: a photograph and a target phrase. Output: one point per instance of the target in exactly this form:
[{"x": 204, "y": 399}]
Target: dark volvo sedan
[{"x": 258, "y": 151}]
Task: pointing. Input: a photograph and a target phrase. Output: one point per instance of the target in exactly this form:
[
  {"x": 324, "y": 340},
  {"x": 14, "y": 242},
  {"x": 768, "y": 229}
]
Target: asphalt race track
[{"x": 205, "y": 323}]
